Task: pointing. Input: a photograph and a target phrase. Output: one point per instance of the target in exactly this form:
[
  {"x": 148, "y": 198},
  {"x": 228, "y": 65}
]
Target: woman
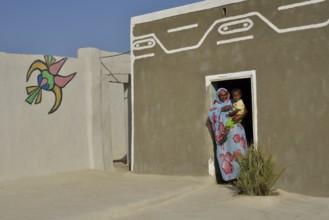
[{"x": 229, "y": 143}]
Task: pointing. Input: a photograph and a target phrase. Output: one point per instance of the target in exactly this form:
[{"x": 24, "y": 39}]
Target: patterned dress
[{"x": 235, "y": 144}]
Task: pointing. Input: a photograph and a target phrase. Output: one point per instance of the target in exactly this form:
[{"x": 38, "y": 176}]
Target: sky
[{"x": 61, "y": 27}]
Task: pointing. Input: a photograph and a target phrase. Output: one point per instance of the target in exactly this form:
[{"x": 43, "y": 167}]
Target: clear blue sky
[{"x": 61, "y": 27}]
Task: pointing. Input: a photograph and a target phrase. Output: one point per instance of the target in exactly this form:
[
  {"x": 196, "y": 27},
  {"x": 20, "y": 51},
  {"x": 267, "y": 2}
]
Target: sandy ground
[{"x": 97, "y": 195}]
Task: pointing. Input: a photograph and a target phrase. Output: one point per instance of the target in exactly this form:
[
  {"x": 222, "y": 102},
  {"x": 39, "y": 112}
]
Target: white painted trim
[
  {"x": 235, "y": 40},
  {"x": 268, "y": 22},
  {"x": 182, "y": 28},
  {"x": 224, "y": 28},
  {"x": 144, "y": 56},
  {"x": 181, "y": 10},
  {"x": 274, "y": 27},
  {"x": 295, "y": 5},
  {"x": 211, "y": 167},
  {"x": 232, "y": 76},
  {"x": 132, "y": 61},
  {"x": 150, "y": 43}
]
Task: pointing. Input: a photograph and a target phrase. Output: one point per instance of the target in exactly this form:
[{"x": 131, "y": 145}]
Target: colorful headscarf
[{"x": 227, "y": 101}]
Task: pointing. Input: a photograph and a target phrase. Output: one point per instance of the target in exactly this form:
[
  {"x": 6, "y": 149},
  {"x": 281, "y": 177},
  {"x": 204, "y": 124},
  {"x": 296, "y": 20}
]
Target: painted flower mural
[{"x": 48, "y": 80}]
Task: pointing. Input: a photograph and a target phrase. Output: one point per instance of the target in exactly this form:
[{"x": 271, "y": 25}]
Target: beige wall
[
  {"x": 287, "y": 47},
  {"x": 34, "y": 142},
  {"x": 116, "y": 103}
]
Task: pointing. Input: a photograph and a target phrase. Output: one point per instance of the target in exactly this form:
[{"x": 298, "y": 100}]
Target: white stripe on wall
[
  {"x": 295, "y": 5},
  {"x": 144, "y": 56},
  {"x": 235, "y": 40},
  {"x": 182, "y": 28}
]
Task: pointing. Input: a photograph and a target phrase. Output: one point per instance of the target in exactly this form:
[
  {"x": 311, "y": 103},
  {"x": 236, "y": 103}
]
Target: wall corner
[{"x": 91, "y": 60}]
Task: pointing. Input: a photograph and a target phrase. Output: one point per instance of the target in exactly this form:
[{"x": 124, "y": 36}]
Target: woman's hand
[{"x": 225, "y": 108}]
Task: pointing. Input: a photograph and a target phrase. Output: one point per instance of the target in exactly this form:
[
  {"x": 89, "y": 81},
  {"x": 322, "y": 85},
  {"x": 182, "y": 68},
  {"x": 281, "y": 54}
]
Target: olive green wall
[{"x": 289, "y": 51}]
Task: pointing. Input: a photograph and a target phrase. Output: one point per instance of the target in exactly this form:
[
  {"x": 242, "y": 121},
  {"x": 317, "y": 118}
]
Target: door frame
[{"x": 251, "y": 74}]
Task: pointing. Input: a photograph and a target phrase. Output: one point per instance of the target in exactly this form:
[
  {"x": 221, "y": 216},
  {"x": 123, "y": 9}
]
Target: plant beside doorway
[{"x": 257, "y": 173}]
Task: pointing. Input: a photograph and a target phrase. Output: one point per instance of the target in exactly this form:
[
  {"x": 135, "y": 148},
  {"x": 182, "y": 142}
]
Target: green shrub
[{"x": 257, "y": 174}]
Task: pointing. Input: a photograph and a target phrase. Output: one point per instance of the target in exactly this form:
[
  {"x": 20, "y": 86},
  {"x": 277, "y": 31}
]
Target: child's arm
[{"x": 245, "y": 112}]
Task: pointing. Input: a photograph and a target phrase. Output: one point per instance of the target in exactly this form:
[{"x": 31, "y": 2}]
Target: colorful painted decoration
[{"x": 48, "y": 80}]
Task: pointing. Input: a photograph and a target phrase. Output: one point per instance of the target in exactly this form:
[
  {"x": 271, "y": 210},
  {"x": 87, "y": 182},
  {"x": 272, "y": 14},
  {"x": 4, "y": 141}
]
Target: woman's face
[{"x": 223, "y": 95}]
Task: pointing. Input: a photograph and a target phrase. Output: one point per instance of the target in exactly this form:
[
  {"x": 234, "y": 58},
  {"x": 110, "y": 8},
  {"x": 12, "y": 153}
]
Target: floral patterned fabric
[{"x": 235, "y": 144}]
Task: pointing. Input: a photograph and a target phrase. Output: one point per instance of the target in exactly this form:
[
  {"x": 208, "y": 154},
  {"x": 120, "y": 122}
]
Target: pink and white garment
[{"x": 235, "y": 144}]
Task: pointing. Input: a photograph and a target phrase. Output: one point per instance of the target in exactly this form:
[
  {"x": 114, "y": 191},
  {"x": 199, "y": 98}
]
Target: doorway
[{"x": 246, "y": 81}]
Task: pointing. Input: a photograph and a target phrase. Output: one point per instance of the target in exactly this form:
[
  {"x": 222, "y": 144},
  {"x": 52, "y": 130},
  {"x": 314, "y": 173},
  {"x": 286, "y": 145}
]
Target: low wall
[{"x": 63, "y": 132}]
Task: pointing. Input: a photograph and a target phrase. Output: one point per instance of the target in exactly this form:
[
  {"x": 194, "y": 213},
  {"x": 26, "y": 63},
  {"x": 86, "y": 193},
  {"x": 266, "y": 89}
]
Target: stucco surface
[
  {"x": 290, "y": 58},
  {"x": 75, "y": 137},
  {"x": 115, "y": 99},
  {"x": 33, "y": 141}
]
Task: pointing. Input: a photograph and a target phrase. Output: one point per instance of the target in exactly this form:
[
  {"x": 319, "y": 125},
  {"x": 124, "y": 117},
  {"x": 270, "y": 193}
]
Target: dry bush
[{"x": 257, "y": 173}]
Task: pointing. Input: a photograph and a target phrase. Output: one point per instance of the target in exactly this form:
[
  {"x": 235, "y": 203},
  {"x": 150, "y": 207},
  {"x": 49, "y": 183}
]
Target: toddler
[{"x": 238, "y": 109}]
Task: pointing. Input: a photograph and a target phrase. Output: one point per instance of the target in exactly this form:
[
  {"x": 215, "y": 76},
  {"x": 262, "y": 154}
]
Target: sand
[{"x": 98, "y": 195}]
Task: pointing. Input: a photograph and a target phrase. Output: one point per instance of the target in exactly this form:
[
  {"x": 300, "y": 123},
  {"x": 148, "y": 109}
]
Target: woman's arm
[
  {"x": 241, "y": 116},
  {"x": 226, "y": 108}
]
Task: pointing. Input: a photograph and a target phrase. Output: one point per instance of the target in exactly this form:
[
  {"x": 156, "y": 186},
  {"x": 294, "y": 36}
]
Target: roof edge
[{"x": 198, "y": 6}]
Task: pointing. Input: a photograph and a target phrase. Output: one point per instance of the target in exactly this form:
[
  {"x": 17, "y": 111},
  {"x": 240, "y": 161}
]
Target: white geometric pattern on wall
[{"x": 226, "y": 26}]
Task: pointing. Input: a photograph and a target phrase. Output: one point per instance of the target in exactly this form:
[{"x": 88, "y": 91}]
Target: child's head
[{"x": 236, "y": 93}]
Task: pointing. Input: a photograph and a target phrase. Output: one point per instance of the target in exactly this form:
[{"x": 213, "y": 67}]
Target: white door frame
[{"x": 251, "y": 74}]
